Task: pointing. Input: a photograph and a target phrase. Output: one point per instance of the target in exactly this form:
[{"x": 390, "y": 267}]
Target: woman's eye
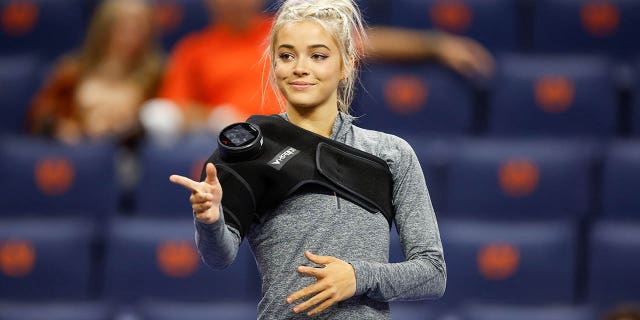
[
  {"x": 286, "y": 56},
  {"x": 318, "y": 56}
]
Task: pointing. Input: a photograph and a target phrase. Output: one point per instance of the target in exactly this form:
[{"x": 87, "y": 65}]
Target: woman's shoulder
[
  {"x": 389, "y": 147},
  {"x": 65, "y": 71}
]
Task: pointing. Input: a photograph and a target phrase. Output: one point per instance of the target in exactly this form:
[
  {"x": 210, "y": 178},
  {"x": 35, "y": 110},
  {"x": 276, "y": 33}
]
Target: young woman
[{"x": 320, "y": 253}]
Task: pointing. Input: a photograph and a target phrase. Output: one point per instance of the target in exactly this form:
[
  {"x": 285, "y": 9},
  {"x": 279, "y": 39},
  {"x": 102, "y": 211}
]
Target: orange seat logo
[
  {"x": 600, "y": 18},
  {"x": 17, "y": 258},
  {"x": 406, "y": 94},
  {"x": 167, "y": 16},
  {"x": 554, "y": 94},
  {"x": 518, "y": 177},
  {"x": 498, "y": 261},
  {"x": 177, "y": 258},
  {"x": 54, "y": 176},
  {"x": 19, "y": 17},
  {"x": 451, "y": 15}
]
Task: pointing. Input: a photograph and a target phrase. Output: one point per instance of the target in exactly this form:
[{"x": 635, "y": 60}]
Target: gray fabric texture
[{"x": 317, "y": 220}]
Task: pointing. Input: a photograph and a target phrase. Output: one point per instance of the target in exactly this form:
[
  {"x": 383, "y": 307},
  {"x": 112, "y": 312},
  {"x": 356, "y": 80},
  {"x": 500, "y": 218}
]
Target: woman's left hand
[{"x": 336, "y": 282}]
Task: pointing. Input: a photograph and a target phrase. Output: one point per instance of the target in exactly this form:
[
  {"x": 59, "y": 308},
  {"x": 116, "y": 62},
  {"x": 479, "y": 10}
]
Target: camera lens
[{"x": 240, "y": 141}]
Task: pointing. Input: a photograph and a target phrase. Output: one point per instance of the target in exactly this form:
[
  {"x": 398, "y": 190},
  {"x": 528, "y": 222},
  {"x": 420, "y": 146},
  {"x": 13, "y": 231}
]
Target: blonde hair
[
  {"x": 342, "y": 20},
  {"x": 147, "y": 66}
]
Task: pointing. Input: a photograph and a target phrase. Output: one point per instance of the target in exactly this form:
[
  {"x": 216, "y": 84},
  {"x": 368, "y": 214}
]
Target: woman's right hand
[{"x": 205, "y": 196}]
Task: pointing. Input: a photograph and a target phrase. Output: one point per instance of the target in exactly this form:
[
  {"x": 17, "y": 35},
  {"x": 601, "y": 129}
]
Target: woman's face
[
  {"x": 131, "y": 28},
  {"x": 308, "y": 65}
]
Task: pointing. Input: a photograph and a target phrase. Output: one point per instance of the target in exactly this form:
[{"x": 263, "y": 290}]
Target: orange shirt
[{"x": 216, "y": 66}]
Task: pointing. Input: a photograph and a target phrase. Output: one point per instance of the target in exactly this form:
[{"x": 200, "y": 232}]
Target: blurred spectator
[
  {"x": 217, "y": 76},
  {"x": 626, "y": 312},
  {"x": 96, "y": 92}
]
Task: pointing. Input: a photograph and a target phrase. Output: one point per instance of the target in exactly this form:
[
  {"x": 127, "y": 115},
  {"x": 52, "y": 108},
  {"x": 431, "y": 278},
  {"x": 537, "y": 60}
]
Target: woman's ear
[{"x": 348, "y": 69}]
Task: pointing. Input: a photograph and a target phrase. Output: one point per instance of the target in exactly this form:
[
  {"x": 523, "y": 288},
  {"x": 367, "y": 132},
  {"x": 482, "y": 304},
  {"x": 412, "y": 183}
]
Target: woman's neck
[{"x": 318, "y": 121}]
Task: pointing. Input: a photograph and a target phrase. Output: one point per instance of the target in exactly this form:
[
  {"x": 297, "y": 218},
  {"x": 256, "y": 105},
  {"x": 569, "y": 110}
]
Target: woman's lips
[{"x": 298, "y": 85}]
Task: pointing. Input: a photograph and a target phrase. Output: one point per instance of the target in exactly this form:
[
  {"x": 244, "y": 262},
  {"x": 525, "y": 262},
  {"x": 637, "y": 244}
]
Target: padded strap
[{"x": 361, "y": 179}]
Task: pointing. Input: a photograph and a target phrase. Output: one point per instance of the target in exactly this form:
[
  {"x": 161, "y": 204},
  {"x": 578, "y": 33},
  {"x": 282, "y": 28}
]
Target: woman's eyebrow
[
  {"x": 313, "y": 46},
  {"x": 287, "y": 46}
]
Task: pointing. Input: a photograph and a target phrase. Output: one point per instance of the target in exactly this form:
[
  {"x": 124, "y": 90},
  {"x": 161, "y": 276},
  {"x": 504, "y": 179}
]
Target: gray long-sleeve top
[{"x": 318, "y": 220}]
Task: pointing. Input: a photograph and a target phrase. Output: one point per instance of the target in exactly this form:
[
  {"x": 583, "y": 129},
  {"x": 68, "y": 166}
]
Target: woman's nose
[{"x": 300, "y": 68}]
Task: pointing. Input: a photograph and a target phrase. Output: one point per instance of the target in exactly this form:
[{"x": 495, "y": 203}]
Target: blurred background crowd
[{"x": 525, "y": 115}]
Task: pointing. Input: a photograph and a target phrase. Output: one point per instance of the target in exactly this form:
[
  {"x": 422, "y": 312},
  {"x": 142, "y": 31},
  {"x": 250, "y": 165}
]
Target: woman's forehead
[{"x": 304, "y": 33}]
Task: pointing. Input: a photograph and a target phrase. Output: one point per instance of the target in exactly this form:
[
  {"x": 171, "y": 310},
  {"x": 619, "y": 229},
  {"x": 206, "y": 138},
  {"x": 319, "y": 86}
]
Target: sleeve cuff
[
  {"x": 210, "y": 228},
  {"x": 361, "y": 270}
]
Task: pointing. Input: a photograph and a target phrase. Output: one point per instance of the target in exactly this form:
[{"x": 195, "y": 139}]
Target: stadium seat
[
  {"x": 175, "y": 19},
  {"x": 434, "y": 157},
  {"x": 553, "y": 96},
  {"x": 521, "y": 179},
  {"x": 42, "y": 177},
  {"x": 76, "y": 310},
  {"x": 412, "y": 310},
  {"x": 635, "y": 108},
  {"x": 19, "y": 81},
  {"x": 509, "y": 262},
  {"x": 614, "y": 263},
  {"x": 395, "y": 248},
  {"x": 42, "y": 259},
  {"x": 197, "y": 311},
  {"x": 520, "y": 312},
  {"x": 46, "y": 28},
  {"x": 621, "y": 180},
  {"x": 375, "y": 12},
  {"x": 494, "y": 23},
  {"x": 155, "y": 195},
  {"x": 420, "y": 100},
  {"x": 594, "y": 26},
  {"x": 152, "y": 258}
]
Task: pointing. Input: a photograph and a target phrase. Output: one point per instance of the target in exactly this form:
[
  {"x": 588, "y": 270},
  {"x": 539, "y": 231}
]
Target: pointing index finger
[{"x": 185, "y": 182}]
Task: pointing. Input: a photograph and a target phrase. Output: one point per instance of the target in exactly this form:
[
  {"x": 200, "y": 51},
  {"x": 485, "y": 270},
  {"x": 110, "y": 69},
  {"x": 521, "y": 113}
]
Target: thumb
[
  {"x": 211, "y": 171},
  {"x": 323, "y": 260}
]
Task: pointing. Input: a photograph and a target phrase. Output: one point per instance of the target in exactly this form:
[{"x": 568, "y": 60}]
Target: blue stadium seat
[
  {"x": 579, "y": 26},
  {"x": 553, "y": 96},
  {"x": 375, "y": 12},
  {"x": 494, "y": 23},
  {"x": 42, "y": 259},
  {"x": 155, "y": 195},
  {"x": 197, "y": 311},
  {"x": 509, "y": 262},
  {"x": 42, "y": 177},
  {"x": 414, "y": 99},
  {"x": 156, "y": 259},
  {"x": 76, "y": 310},
  {"x": 621, "y": 179},
  {"x": 412, "y": 310},
  {"x": 614, "y": 263},
  {"x": 511, "y": 312},
  {"x": 521, "y": 179},
  {"x": 434, "y": 156},
  {"x": 395, "y": 248},
  {"x": 177, "y": 18},
  {"x": 19, "y": 80},
  {"x": 635, "y": 108},
  {"x": 47, "y": 28}
]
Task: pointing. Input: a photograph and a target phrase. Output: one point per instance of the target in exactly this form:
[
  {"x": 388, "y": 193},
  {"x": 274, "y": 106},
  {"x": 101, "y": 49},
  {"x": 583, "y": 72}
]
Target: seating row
[
  {"x": 232, "y": 311},
  {"x": 530, "y": 95},
  {"x": 473, "y": 178},
  {"x": 51, "y": 27},
  {"x": 131, "y": 260}
]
